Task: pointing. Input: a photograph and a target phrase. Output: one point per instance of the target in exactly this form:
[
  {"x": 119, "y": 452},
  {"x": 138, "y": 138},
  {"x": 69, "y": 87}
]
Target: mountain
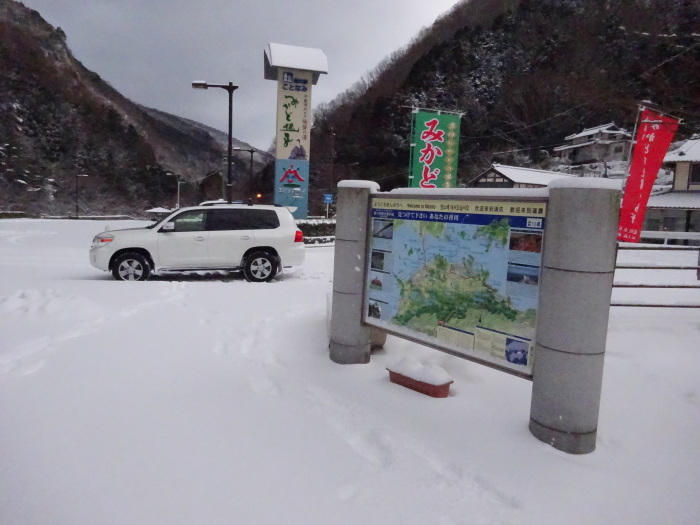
[
  {"x": 524, "y": 74},
  {"x": 61, "y": 120}
]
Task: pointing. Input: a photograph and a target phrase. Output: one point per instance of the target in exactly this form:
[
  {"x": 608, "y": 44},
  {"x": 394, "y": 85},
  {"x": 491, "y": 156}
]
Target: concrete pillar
[
  {"x": 377, "y": 338},
  {"x": 578, "y": 264},
  {"x": 350, "y": 340}
]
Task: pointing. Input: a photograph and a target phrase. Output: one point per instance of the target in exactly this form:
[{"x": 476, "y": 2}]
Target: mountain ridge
[
  {"x": 63, "y": 120},
  {"x": 536, "y": 73}
]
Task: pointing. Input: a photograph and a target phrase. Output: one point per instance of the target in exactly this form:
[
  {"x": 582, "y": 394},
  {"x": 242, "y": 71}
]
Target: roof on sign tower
[{"x": 294, "y": 57}]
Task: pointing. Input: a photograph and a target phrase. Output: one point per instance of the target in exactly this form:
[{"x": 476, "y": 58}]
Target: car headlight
[{"x": 102, "y": 239}]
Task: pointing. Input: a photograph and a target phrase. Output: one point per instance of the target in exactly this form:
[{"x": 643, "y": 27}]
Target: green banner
[{"x": 435, "y": 142}]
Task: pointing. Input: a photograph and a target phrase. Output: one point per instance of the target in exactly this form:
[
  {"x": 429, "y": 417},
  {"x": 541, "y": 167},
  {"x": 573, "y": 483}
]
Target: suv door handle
[
  {"x": 199, "y": 238},
  {"x": 245, "y": 237}
]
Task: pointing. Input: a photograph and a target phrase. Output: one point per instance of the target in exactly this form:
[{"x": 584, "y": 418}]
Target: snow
[
  {"x": 207, "y": 399},
  {"x": 294, "y": 57},
  {"x": 307, "y": 58},
  {"x": 684, "y": 200},
  {"x": 509, "y": 193},
  {"x": 528, "y": 175},
  {"x": 431, "y": 374},
  {"x": 688, "y": 151},
  {"x": 370, "y": 185},
  {"x": 586, "y": 182},
  {"x": 604, "y": 128}
]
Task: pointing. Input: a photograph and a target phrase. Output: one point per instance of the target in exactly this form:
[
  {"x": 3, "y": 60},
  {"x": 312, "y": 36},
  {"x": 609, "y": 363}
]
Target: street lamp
[
  {"x": 250, "y": 171},
  {"x": 77, "y": 214},
  {"x": 177, "y": 206},
  {"x": 201, "y": 84},
  {"x": 332, "y": 155}
]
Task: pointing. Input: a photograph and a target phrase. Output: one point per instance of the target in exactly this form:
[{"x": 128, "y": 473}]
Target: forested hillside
[
  {"x": 60, "y": 120},
  {"x": 524, "y": 74}
]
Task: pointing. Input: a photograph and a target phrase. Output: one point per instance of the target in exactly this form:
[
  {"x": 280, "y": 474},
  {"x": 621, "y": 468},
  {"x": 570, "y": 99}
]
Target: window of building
[{"x": 694, "y": 174}]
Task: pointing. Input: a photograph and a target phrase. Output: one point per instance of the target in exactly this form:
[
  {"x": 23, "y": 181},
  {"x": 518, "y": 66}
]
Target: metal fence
[{"x": 665, "y": 237}]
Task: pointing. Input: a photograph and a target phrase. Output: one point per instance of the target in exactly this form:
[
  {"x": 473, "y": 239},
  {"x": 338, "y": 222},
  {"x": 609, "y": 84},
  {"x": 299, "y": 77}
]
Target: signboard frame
[{"x": 439, "y": 207}]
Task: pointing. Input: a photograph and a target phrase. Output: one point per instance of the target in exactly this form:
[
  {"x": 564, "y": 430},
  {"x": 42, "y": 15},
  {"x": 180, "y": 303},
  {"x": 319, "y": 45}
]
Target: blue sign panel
[
  {"x": 480, "y": 261},
  {"x": 292, "y": 185},
  {"x": 328, "y": 198}
]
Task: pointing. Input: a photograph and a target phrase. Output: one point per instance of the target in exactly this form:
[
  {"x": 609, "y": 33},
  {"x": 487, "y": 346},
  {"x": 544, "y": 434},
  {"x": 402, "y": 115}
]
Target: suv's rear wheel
[
  {"x": 131, "y": 266},
  {"x": 260, "y": 267}
]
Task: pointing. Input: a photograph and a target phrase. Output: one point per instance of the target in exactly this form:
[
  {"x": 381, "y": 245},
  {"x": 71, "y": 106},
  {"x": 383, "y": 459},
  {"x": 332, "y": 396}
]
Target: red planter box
[{"x": 419, "y": 386}]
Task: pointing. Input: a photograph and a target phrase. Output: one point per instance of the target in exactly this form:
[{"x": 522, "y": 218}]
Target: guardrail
[{"x": 666, "y": 236}]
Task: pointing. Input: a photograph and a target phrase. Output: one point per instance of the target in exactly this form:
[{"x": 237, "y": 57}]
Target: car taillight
[{"x": 298, "y": 236}]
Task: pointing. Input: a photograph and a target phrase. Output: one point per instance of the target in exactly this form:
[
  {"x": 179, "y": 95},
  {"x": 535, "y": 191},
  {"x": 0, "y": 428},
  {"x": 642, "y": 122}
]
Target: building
[
  {"x": 678, "y": 210},
  {"x": 212, "y": 186},
  {"x": 501, "y": 176},
  {"x": 600, "y": 144}
]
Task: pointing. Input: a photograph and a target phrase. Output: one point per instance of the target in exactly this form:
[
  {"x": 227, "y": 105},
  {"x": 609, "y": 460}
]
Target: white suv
[{"x": 260, "y": 240}]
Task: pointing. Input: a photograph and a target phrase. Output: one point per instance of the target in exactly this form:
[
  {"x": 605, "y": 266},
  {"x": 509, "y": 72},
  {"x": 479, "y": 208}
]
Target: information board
[{"x": 460, "y": 275}]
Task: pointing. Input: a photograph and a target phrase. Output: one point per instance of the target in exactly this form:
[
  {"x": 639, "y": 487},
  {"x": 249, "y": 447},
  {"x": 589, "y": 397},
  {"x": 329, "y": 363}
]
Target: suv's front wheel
[
  {"x": 260, "y": 267},
  {"x": 131, "y": 266}
]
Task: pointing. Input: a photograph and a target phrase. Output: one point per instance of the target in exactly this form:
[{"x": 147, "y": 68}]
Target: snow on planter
[{"x": 430, "y": 380}]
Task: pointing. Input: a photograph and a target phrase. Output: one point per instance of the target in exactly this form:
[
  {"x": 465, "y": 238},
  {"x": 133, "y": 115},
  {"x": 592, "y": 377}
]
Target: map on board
[{"x": 463, "y": 274}]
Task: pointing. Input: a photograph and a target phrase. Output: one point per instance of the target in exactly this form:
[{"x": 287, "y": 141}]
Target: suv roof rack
[{"x": 219, "y": 203}]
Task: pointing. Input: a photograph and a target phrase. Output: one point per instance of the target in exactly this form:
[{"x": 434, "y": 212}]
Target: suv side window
[
  {"x": 219, "y": 220},
  {"x": 262, "y": 219},
  {"x": 190, "y": 221},
  {"x": 242, "y": 219}
]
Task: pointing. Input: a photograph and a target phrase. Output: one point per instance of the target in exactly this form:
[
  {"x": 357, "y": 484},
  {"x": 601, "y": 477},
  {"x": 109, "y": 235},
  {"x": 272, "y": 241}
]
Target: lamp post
[
  {"x": 332, "y": 189},
  {"x": 201, "y": 84},
  {"x": 177, "y": 206},
  {"x": 77, "y": 213},
  {"x": 250, "y": 169}
]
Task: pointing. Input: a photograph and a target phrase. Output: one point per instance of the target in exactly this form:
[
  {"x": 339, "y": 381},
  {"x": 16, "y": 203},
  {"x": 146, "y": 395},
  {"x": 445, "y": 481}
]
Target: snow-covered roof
[
  {"x": 689, "y": 151},
  {"x": 528, "y": 175},
  {"x": 294, "y": 57},
  {"x": 684, "y": 200},
  {"x": 572, "y": 146},
  {"x": 592, "y": 131}
]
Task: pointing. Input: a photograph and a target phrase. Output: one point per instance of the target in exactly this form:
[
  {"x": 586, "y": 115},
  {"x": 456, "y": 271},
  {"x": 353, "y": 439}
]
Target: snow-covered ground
[{"x": 210, "y": 400}]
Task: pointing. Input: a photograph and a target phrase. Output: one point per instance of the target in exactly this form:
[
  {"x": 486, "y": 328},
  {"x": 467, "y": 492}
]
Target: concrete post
[
  {"x": 578, "y": 264},
  {"x": 350, "y": 340}
]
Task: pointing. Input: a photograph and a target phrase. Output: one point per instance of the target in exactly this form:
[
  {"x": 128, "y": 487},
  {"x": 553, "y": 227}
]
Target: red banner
[{"x": 655, "y": 132}]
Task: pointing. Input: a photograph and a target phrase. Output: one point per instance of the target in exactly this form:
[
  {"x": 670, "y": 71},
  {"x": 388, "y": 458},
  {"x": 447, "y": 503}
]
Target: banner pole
[
  {"x": 414, "y": 111},
  {"x": 640, "y": 108}
]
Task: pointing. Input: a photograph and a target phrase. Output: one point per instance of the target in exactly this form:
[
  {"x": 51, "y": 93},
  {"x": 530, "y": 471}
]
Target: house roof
[
  {"x": 294, "y": 57},
  {"x": 528, "y": 175},
  {"x": 605, "y": 127},
  {"x": 572, "y": 146},
  {"x": 683, "y": 200},
  {"x": 689, "y": 151}
]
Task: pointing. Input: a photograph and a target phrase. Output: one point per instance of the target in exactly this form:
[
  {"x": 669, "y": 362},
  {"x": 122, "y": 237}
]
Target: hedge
[{"x": 317, "y": 231}]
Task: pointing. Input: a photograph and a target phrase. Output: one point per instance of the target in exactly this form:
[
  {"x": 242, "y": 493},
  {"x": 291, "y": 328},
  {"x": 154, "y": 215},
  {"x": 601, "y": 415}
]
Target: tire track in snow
[{"x": 259, "y": 354}]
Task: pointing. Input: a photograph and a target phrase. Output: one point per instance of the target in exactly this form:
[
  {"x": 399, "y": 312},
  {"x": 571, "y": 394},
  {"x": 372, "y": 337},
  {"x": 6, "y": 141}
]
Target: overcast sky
[{"x": 151, "y": 50}]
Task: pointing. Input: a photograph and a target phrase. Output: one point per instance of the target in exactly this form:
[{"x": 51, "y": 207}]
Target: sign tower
[{"x": 296, "y": 70}]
